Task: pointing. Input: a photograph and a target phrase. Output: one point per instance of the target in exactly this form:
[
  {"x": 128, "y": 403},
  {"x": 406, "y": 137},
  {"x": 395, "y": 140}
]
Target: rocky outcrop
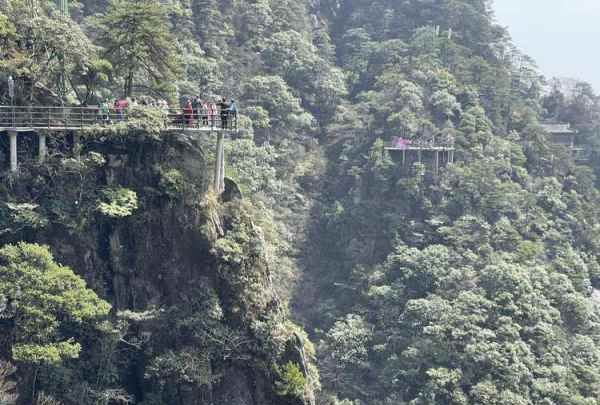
[{"x": 187, "y": 273}]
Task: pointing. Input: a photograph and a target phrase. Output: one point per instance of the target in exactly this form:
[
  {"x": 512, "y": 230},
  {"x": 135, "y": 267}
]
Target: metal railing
[
  {"x": 424, "y": 142},
  {"x": 35, "y": 117}
]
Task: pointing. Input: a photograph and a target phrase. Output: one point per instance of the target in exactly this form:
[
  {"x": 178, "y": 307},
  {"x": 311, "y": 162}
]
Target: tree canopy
[{"x": 47, "y": 304}]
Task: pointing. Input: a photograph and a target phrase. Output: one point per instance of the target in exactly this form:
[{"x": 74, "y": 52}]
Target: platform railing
[
  {"x": 35, "y": 117},
  {"x": 430, "y": 142}
]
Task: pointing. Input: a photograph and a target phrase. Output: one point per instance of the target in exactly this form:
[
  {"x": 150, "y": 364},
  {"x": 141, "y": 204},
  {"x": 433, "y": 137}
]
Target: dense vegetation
[{"x": 473, "y": 286}]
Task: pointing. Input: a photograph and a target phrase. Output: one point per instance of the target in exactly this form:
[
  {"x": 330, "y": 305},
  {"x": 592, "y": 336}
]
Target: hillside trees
[
  {"x": 464, "y": 278},
  {"x": 40, "y": 47},
  {"x": 48, "y": 305},
  {"x": 137, "y": 39}
]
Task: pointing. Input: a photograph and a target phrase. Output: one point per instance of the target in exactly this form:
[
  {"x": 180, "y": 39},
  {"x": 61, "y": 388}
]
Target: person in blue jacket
[{"x": 233, "y": 113}]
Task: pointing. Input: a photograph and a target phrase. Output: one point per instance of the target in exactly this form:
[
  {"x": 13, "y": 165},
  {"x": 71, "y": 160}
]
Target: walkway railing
[
  {"x": 439, "y": 142},
  {"x": 34, "y": 117}
]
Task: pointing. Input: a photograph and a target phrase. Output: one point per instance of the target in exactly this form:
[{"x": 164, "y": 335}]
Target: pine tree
[{"x": 138, "y": 41}]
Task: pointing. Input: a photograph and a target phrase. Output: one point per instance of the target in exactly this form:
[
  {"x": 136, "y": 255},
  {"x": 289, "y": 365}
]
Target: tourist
[
  {"x": 196, "y": 106},
  {"x": 104, "y": 111},
  {"x": 204, "y": 106},
  {"x": 212, "y": 113},
  {"x": 188, "y": 113},
  {"x": 233, "y": 112},
  {"x": 120, "y": 106},
  {"x": 224, "y": 112}
]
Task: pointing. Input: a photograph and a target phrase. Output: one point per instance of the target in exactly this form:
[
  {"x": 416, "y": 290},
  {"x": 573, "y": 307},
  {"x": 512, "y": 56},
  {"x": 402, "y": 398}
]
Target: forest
[{"x": 400, "y": 225}]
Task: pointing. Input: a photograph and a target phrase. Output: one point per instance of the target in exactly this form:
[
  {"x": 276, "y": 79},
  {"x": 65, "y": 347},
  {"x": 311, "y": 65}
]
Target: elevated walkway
[
  {"x": 562, "y": 135},
  {"x": 32, "y": 118},
  {"x": 15, "y": 120},
  {"x": 439, "y": 149}
]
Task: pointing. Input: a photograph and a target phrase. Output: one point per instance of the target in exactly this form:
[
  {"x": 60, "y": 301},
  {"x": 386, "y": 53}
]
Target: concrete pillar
[
  {"x": 437, "y": 162},
  {"x": 219, "y": 179},
  {"x": 42, "y": 148},
  {"x": 76, "y": 145},
  {"x": 222, "y": 178},
  {"x": 13, "y": 151}
]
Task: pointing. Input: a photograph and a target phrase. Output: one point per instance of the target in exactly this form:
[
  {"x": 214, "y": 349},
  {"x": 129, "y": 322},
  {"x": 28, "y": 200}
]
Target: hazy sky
[{"x": 563, "y": 36}]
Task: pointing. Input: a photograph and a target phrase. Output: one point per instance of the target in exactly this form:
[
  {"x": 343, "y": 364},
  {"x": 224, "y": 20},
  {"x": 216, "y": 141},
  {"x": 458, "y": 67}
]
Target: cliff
[{"x": 194, "y": 307}]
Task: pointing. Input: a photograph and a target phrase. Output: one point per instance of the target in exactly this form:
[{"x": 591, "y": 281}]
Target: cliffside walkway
[
  {"x": 44, "y": 119},
  {"x": 441, "y": 148},
  {"x": 26, "y": 118}
]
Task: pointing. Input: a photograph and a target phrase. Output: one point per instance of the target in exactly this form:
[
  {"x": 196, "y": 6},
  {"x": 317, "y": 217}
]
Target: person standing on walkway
[
  {"x": 233, "y": 113},
  {"x": 204, "y": 111},
  {"x": 224, "y": 106},
  {"x": 188, "y": 113},
  {"x": 196, "y": 106},
  {"x": 120, "y": 106},
  {"x": 104, "y": 112},
  {"x": 212, "y": 113}
]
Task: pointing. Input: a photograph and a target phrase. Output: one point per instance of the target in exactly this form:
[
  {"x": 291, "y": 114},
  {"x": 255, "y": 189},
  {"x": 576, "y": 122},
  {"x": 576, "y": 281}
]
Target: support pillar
[
  {"x": 13, "y": 151},
  {"x": 76, "y": 145},
  {"x": 42, "y": 148},
  {"x": 219, "y": 179},
  {"x": 403, "y": 157},
  {"x": 437, "y": 162},
  {"x": 222, "y": 178}
]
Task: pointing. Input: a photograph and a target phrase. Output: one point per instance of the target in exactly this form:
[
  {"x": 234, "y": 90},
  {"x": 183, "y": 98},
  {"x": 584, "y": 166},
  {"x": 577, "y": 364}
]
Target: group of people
[
  {"x": 195, "y": 111},
  {"x": 206, "y": 112},
  {"x": 121, "y": 105}
]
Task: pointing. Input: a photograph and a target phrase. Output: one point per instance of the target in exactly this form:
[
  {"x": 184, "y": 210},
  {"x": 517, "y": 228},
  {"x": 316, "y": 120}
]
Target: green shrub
[
  {"x": 119, "y": 203},
  {"x": 292, "y": 381}
]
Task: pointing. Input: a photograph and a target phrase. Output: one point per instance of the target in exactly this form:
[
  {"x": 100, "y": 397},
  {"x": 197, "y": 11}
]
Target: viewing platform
[
  {"x": 15, "y": 120},
  {"x": 32, "y": 118},
  {"x": 561, "y": 134},
  {"x": 440, "y": 149}
]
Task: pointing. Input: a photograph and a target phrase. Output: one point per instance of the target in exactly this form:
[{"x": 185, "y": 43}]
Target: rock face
[
  {"x": 146, "y": 258},
  {"x": 188, "y": 273}
]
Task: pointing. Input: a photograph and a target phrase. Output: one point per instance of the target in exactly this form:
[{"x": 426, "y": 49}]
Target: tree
[
  {"x": 47, "y": 303},
  {"x": 42, "y": 47},
  {"x": 137, "y": 39},
  {"x": 293, "y": 381},
  {"x": 88, "y": 77},
  {"x": 276, "y": 98},
  {"x": 346, "y": 350}
]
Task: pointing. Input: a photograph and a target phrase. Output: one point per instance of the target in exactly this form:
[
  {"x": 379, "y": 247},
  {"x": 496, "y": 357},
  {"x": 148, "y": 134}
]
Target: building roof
[{"x": 557, "y": 128}]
